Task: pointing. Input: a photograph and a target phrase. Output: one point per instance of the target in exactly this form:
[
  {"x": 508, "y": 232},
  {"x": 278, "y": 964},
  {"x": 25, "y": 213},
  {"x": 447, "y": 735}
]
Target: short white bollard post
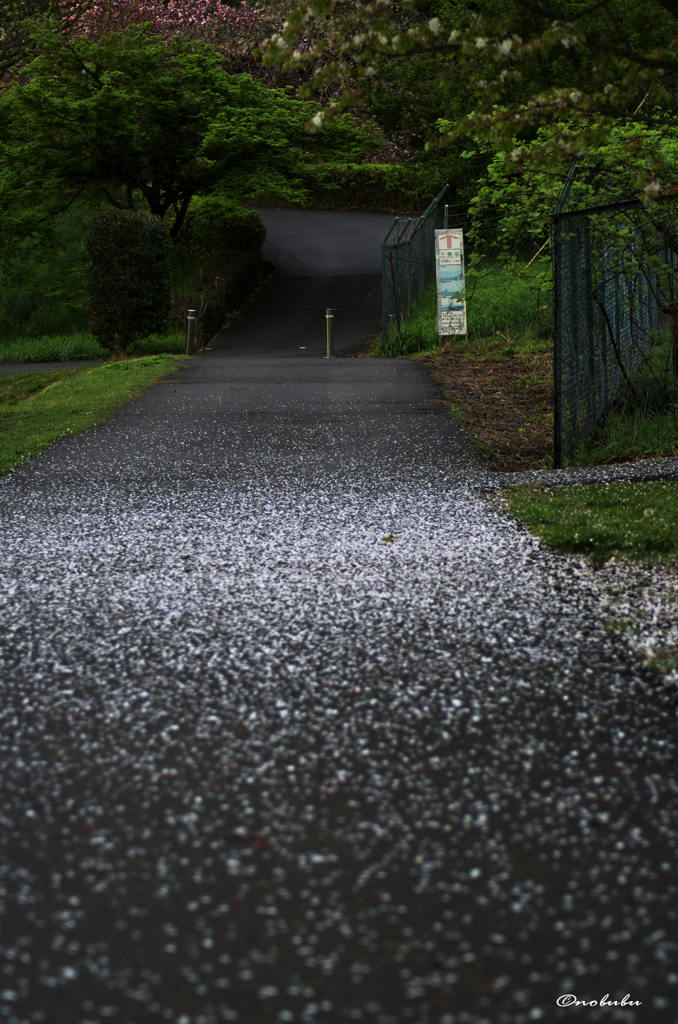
[
  {"x": 190, "y": 332},
  {"x": 329, "y": 316}
]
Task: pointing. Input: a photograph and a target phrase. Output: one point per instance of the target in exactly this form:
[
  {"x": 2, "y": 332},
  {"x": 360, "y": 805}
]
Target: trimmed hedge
[
  {"x": 128, "y": 274},
  {"x": 213, "y": 226},
  {"x": 396, "y": 188}
]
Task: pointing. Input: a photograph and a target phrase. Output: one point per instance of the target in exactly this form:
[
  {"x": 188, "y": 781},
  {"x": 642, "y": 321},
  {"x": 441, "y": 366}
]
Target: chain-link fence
[
  {"x": 613, "y": 282},
  {"x": 408, "y": 262},
  {"x": 606, "y": 272},
  {"x": 493, "y": 266}
]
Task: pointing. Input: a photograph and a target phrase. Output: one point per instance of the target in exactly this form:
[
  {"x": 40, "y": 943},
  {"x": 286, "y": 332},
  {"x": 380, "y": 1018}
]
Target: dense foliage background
[{"x": 146, "y": 105}]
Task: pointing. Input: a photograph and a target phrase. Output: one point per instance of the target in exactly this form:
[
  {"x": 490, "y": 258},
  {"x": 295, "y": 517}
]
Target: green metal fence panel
[
  {"x": 408, "y": 262},
  {"x": 612, "y": 276},
  {"x": 612, "y": 273}
]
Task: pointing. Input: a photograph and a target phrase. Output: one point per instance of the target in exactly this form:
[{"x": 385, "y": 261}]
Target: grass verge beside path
[
  {"x": 504, "y": 311},
  {"x": 36, "y": 409},
  {"x": 629, "y": 531},
  {"x": 635, "y": 521},
  {"x": 82, "y": 345},
  {"x": 498, "y": 381}
]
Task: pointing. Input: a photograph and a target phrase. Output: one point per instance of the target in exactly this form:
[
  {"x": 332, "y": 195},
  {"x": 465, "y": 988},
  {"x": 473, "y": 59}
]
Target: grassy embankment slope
[{"x": 36, "y": 409}]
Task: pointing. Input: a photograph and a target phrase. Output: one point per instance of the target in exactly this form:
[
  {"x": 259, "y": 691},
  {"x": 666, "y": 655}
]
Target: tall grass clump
[
  {"x": 417, "y": 334},
  {"x": 500, "y": 304},
  {"x": 51, "y": 348},
  {"x": 510, "y": 303},
  {"x": 55, "y": 348}
]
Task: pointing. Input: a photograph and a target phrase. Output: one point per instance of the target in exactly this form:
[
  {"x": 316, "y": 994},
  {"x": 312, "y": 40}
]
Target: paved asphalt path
[
  {"x": 326, "y": 260},
  {"x": 9, "y": 369},
  {"x": 297, "y": 726}
]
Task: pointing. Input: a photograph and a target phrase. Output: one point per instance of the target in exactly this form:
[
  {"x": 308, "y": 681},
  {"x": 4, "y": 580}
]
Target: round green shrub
[
  {"x": 212, "y": 225},
  {"x": 128, "y": 275}
]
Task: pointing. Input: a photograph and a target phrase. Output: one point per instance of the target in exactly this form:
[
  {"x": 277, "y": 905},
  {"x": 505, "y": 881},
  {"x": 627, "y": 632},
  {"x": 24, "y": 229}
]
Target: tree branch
[{"x": 112, "y": 200}]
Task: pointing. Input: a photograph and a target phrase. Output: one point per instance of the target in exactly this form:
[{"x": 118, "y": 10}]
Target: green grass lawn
[
  {"x": 36, "y": 409},
  {"x": 638, "y": 522}
]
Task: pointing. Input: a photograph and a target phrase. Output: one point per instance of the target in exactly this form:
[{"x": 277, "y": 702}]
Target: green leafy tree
[
  {"x": 18, "y": 22},
  {"x": 509, "y": 68},
  {"x": 135, "y": 120},
  {"x": 15, "y": 35}
]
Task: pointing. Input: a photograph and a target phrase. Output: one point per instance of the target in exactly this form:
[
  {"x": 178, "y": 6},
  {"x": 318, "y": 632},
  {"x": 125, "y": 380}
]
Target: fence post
[
  {"x": 385, "y": 312},
  {"x": 556, "y": 229},
  {"x": 411, "y": 270},
  {"x": 574, "y": 353},
  {"x": 557, "y": 359},
  {"x": 593, "y": 405},
  {"x": 603, "y": 340},
  {"x": 395, "y": 293}
]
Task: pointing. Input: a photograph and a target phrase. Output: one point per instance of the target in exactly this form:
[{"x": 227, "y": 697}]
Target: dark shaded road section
[
  {"x": 326, "y": 260},
  {"x": 324, "y": 243},
  {"x": 297, "y": 727},
  {"x": 287, "y": 318}
]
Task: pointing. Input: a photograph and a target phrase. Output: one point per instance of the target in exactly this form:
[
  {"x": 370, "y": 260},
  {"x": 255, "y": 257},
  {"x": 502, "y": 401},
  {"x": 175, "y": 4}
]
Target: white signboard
[{"x": 450, "y": 279}]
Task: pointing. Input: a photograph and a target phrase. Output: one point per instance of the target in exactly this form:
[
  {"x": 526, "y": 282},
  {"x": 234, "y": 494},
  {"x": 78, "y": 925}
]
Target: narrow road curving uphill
[{"x": 296, "y": 727}]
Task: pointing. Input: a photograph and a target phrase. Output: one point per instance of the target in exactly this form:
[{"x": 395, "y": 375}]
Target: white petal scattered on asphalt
[{"x": 259, "y": 766}]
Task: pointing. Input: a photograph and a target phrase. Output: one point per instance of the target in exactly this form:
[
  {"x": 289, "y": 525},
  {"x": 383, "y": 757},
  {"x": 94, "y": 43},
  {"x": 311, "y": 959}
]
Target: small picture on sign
[
  {"x": 450, "y": 288},
  {"x": 450, "y": 273},
  {"x": 449, "y": 302}
]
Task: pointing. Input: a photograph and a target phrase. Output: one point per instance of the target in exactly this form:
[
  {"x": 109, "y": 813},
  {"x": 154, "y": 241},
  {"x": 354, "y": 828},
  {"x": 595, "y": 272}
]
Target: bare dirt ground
[{"x": 505, "y": 403}]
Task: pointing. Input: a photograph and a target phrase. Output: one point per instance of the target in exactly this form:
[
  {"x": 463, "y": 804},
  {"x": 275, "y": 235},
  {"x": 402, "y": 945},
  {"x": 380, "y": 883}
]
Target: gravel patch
[
  {"x": 644, "y": 470},
  {"x": 642, "y": 603}
]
